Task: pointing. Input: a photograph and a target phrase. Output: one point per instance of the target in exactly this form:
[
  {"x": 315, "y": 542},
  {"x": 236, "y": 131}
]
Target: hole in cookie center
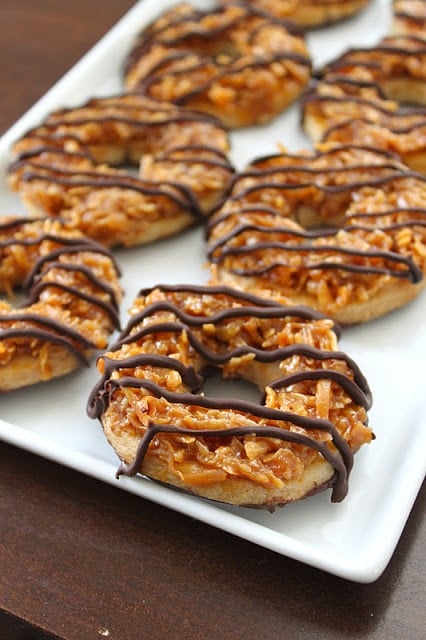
[
  {"x": 218, "y": 387},
  {"x": 16, "y": 298}
]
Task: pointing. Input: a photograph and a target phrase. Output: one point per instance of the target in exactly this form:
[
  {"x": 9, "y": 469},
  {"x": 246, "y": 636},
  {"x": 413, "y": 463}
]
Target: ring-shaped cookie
[
  {"x": 342, "y": 229},
  {"x": 240, "y": 65},
  {"x": 71, "y": 166},
  {"x": 361, "y": 98},
  {"x": 299, "y": 439},
  {"x": 70, "y": 309}
]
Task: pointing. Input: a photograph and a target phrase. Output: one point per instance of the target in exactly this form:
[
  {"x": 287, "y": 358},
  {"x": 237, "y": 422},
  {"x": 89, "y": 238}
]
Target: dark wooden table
[{"x": 82, "y": 560}]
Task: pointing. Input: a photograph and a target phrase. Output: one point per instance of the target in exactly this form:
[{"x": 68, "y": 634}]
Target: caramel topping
[
  {"x": 57, "y": 259},
  {"x": 180, "y": 334}
]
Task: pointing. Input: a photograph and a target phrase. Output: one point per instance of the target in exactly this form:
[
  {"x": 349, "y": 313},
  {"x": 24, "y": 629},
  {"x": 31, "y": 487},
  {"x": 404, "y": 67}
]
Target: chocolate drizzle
[
  {"x": 410, "y": 272},
  {"x": 132, "y": 110},
  {"x": 48, "y": 243},
  {"x": 341, "y": 471},
  {"x": 392, "y": 57},
  {"x": 410, "y": 15},
  {"x": 46, "y": 324},
  {"x": 365, "y": 108},
  {"x": 381, "y": 181},
  {"x": 189, "y": 29},
  {"x": 118, "y": 374},
  {"x": 356, "y": 96},
  {"x": 149, "y": 81},
  {"x": 168, "y": 190},
  {"x": 200, "y": 46},
  {"x": 267, "y": 180},
  {"x": 74, "y": 149}
]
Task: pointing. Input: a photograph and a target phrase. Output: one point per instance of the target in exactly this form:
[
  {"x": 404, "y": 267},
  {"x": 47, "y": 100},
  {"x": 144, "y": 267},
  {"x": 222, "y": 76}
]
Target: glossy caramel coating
[
  {"x": 374, "y": 96},
  {"x": 297, "y": 440},
  {"x": 75, "y": 164},
  {"x": 70, "y": 309},
  {"x": 342, "y": 229},
  {"x": 240, "y": 65}
]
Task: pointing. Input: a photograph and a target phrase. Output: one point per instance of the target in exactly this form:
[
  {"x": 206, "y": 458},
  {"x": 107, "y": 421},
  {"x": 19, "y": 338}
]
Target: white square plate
[{"x": 354, "y": 539}]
